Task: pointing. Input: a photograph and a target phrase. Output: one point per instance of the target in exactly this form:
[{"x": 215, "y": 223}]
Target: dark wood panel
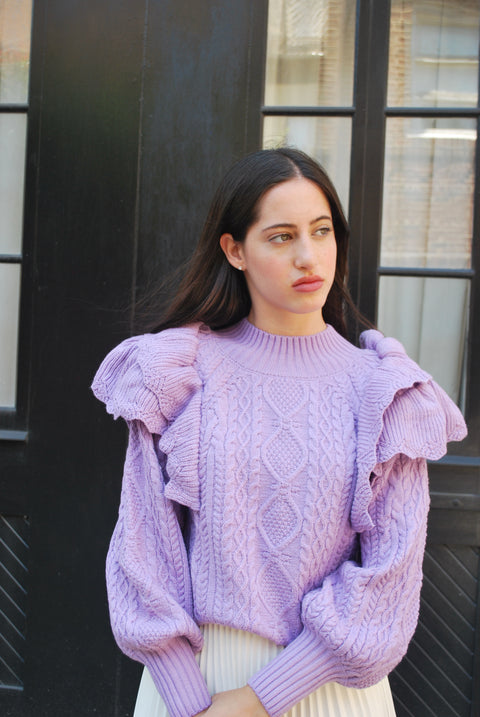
[
  {"x": 13, "y": 478},
  {"x": 454, "y": 527},
  {"x": 436, "y": 676},
  {"x": 81, "y": 188},
  {"x": 459, "y": 566},
  {"x": 435, "y": 569},
  {"x": 468, "y": 557},
  {"x": 455, "y": 474},
  {"x": 442, "y": 647},
  {"x": 440, "y": 604},
  {"x": 443, "y": 689},
  {"x": 455, "y": 492},
  {"x": 14, "y": 532},
  {"x": 418, "y": 700},
  {"x": 408, "y": 702},
  {"x": 436, "y": 635},
  {"x": 203, "y": 89}
]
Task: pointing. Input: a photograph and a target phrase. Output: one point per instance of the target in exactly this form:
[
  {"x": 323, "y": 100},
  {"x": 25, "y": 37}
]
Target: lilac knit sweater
[{"x": 295, "y": 456}]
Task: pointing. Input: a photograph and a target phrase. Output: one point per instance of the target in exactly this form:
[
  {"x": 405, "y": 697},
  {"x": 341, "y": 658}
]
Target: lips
[{"x": 308, "y": 283}]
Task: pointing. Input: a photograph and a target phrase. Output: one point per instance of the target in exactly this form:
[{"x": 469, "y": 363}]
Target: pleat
[{"x": 230, "y": 657}]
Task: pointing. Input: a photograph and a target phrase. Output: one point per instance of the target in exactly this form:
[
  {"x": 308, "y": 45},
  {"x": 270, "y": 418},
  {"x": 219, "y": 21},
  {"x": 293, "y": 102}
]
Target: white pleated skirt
[{"x": 229, "y": 658}]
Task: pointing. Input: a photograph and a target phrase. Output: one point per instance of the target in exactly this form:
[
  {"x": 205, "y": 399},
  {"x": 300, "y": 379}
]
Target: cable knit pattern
[{"x": 294, "y": 456}]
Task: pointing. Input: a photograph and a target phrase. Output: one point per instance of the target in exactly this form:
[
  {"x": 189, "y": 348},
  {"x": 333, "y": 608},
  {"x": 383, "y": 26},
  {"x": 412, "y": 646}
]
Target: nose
[{"x": 304, "y": 252}]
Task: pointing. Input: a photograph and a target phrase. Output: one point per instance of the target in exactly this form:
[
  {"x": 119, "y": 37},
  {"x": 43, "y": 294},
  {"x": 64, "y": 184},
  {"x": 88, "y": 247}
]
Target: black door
[{"x": 135, "y": 109}]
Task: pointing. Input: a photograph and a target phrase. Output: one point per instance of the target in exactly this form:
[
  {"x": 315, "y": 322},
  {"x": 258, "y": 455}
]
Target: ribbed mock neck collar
[{"x": 295, "y": 356}]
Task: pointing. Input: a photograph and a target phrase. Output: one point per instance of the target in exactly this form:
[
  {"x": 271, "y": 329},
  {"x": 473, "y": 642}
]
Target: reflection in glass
[
  {"x": 434, "y": 53},
  {"x": 430, "y": 317},
  {"x": 9, "y": 299},
  {"x": 15, "y": 27},
  {"x": 12, "y": 172},
  {"x": 428, "y": 193},
  {"x": 327, "y": 139},
  {"x": 310, "y": 52}
]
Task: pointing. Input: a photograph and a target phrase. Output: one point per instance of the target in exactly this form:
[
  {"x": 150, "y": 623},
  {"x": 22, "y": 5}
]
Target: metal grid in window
[{"x": 15, "y": 31}]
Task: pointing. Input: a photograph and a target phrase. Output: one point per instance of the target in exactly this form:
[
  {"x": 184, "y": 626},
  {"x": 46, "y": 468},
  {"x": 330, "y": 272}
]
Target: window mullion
[
  {"x": 473, "y": 372},
  {"x": 368, "y": 140}
]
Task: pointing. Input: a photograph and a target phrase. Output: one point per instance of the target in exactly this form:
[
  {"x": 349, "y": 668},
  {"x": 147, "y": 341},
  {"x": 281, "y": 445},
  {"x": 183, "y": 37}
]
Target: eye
[
  {"x": 323, "y": 231},
  {"x": 280, "y": 238}
]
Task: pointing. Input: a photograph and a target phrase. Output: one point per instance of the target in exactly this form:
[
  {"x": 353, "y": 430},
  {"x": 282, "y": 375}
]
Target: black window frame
[
  {"x": 454, "y": 479},
  {"x": 369, "y": 113},
  {"x": 13, "y": 420}
]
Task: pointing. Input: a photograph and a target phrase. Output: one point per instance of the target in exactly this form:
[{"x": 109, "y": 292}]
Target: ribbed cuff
[
  {"x": 178, "y": 679},
  {"x": 297, "y": 671}
]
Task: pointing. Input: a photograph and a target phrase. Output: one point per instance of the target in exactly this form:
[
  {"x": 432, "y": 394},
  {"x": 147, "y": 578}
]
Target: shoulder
[
  {"x": 402, "y": 410},
  {"x": 402, "y": 407},
  {"x": 150, "y": 377}
]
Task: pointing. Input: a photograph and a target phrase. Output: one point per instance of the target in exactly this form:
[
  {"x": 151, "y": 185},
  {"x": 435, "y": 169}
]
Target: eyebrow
[{"x": 292, "y": 226}]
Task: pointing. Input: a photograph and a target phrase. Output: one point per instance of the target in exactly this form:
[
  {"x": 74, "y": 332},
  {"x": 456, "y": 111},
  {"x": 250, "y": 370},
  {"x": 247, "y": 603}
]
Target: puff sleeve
[
  {"x": 357, "y": 624},
  {"x": 151, "y": 382}
]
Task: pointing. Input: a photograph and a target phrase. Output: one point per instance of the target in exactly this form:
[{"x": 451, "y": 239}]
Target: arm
[
  {"x": 148, "y": 582},
  {"x": 152, "y": 383},
  {"x": 358, "y": 623}
]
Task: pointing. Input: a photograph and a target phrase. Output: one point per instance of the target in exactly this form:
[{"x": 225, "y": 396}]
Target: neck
[{"x": 291, "y": 325}]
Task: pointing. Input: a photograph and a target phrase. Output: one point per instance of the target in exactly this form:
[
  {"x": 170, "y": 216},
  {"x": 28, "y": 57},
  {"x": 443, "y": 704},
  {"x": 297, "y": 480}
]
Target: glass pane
[
  {"x": 434, "y": 53},
  {"x": 430, "y": 317},
  {"x": 428, "y": 193},
  {"x": 9, "y": 301},
  {"x": 310, "y": 52},
  {"x": 13, "y": 129},
  {"x": 327, "y": 139},
  {"x": 15, "y": 27}
]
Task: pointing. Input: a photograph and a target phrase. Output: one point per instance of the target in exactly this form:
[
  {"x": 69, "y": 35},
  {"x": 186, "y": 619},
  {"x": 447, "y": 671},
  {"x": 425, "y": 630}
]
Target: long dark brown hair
[{"x": 211, "y": 290}]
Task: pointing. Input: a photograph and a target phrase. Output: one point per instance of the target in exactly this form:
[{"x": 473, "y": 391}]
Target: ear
[{"x": 233, "y": 250}]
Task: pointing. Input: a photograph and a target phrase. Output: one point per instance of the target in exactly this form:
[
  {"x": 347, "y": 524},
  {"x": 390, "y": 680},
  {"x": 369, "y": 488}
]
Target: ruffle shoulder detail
[
  {"x": 153, "y": 378},
  {"x": 402, "y": 410}
]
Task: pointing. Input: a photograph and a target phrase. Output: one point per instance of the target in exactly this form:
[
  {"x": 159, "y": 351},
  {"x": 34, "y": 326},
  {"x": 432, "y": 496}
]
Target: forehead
[{"x": 298, "y": 196}]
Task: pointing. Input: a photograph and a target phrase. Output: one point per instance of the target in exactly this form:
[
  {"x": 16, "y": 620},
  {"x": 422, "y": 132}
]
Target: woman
[{"x": 267, "y": 558}]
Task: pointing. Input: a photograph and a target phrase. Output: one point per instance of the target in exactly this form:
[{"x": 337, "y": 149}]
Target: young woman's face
[{"x": 288, "y": 257}]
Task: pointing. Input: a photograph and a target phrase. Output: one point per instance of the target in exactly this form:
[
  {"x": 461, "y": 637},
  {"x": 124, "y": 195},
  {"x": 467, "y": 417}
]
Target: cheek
[
  {"x": 264, "y": 264},
  {"x": 331, "y": 256}
]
